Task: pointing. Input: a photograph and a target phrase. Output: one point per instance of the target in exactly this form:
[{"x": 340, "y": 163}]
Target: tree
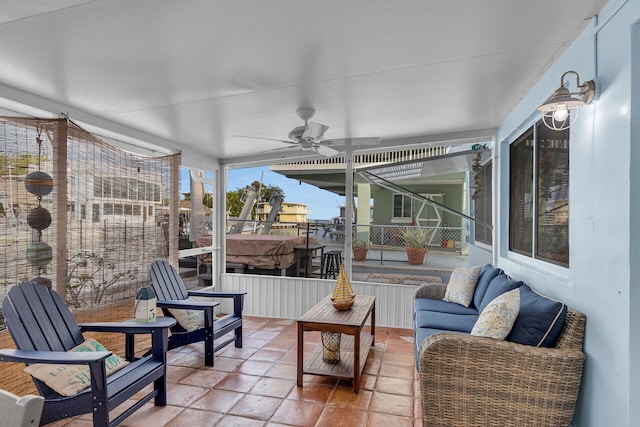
[{"x": 264, "y": 192}]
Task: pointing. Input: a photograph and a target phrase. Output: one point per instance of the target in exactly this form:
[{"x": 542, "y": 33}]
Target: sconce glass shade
[{"x": 560, "y": 110}]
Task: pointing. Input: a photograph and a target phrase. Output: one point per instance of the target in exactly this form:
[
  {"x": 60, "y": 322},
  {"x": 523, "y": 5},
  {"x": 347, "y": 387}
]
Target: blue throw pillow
[
  {"x": 498, "y": 286},
  {"x": 487, "y": 274},
  {"x": 539, "y": 321}
]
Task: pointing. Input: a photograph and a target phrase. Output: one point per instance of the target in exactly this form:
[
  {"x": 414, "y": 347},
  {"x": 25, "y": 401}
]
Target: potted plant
[
  {"x": 415, "y": 244},
  {"x": 360, "y": 248}
]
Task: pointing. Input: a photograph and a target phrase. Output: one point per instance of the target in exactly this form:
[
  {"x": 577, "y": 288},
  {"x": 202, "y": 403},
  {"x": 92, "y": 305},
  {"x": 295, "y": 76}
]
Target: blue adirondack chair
[
  {"x": 44, "y": 331},
  {"x": 172, "y": 293}
]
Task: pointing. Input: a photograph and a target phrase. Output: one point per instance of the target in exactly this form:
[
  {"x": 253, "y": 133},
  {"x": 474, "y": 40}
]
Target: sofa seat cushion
[
  {"x": 441, "y": 306},
  {"x": 498, "y": 286},
  {"x": 446, "y": 321},
  {"x": 487, "y": 274},
  {"x": 540, "y": 320}
]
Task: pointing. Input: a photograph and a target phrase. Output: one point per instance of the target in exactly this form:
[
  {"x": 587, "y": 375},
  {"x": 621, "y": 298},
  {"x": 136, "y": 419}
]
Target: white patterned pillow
[
  {"x": 497, "y": 319},
  {"x": 462, "y": 284},
  {"x": 68, "y": 380},
  {"x": 190, "y": 320}
]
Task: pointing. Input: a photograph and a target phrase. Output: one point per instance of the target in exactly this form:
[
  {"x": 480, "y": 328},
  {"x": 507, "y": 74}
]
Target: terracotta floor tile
[
  {"x": 316, "y": 393},
  {"x": 284, "y": 344},
  {"x": 238, "y": 382},
  {"x": 255, "y": 367},
  {"x": 195, "y": 417},
  {"x": 183, "y": 394},
  {"x": 339, "y": 417},
  {"x": 254, "y": 343},
  {"x": 395, "y": 386},
  {"x": 190, "y": 360},
  {"x": 397, "y": 371},
  {"x": 239, "y": 353},
  {"x": 256, "y": 407},
  {"x": 290, "y": 358},
  {"x": 398, "y": 359},
  {"x": 377, "y": 419},
  {"x": 392, "y": 404},
  {"x": 298, "y": 413},
  {"x": 268, "y": 355},
  {"x": 176, "y": 373},
  {"x": 405, "y": 348},
  {"x": 344, "y": 397},
  {"x": 274, "y": 387},
  {"x": 263, "y": 334},
  {"x": 207, "y": 378},
  {"x": 371, "y": 367},
  {"x": 226, "y": 364},
  {"x": 282, "y": 371},
  {"x": 150, "y": 415},
  {"x": 368, "y": 382},
  {"x": 218, "y": 400},
  {"x": 376, "y": 353},
  {"x": 417, "y": 408},
  {"x": 236, "y": 421}
]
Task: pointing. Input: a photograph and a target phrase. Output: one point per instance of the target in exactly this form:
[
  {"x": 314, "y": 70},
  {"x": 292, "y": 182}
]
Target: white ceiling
[{"x": 194, "y": 74}]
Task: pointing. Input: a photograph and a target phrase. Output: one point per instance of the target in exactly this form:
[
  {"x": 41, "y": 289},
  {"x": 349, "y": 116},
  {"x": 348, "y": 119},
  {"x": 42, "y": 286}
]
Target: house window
[
  {"x": 401, "y": 206},
  {"x": 483, "y": 202},
  {"x": 539, "y": 195}
]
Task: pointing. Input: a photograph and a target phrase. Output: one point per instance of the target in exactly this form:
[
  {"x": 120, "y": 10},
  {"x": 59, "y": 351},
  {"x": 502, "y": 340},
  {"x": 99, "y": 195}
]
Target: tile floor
[{"x": 256, "y": 385}]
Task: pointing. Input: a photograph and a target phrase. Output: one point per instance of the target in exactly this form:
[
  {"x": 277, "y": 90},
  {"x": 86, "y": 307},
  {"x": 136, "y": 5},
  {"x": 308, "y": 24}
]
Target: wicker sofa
[{"x": 479, "y": 381}]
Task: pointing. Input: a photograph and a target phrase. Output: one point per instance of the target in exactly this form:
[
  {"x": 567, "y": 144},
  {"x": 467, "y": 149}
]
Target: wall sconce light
[{"x": 560, "y": 110}]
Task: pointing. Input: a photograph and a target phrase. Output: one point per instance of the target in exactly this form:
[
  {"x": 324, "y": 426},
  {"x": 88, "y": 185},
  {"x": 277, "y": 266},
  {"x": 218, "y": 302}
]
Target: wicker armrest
[
  {"x": 476, "y": 381},
  {"x": 430, "y": 290}
]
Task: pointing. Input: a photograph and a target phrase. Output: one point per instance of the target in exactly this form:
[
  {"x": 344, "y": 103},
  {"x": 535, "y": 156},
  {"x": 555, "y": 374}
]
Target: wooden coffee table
[{"x": 354, "y": 347}]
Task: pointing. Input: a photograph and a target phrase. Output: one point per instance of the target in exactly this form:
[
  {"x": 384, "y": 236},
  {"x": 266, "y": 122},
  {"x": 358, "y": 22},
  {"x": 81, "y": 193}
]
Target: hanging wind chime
[{"x": 38, "y": 183}]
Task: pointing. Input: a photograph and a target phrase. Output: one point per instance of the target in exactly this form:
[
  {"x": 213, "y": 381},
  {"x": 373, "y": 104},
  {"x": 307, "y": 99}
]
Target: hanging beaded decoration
[{"x": 38, "y": 183}]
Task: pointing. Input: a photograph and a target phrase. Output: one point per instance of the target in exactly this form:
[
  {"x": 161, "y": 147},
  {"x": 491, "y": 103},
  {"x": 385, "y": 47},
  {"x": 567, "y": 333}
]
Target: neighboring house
[{"x": 289, "y": 212}]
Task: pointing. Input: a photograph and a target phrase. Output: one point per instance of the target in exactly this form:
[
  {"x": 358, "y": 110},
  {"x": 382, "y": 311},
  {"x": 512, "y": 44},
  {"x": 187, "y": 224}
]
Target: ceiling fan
[{"x": 309, "y": 136}]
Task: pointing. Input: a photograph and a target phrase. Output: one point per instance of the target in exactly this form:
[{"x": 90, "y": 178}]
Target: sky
[{"x": 322, "y": 204}]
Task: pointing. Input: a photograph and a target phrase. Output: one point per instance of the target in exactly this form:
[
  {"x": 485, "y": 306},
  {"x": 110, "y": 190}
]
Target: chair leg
[
  {"x": 160, "y": 385},
  {"x": 238, "y": 333},
  {"x": 208, "y": 336}
]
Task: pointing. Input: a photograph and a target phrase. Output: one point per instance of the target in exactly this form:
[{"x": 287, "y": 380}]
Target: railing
[{"x": 385, "y": 244}]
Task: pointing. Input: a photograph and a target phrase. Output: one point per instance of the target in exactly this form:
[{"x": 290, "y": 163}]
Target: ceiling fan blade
[
  {"x": 267, "y": 139},
  {"x": 324, "y": 150},
  {"x": 314, "y": 131},
  {"x": 352, "y": 141}
]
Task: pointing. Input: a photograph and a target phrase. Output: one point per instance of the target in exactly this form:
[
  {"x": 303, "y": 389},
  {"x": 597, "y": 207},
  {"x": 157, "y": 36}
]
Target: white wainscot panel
[{"x": 290, "y": 297}]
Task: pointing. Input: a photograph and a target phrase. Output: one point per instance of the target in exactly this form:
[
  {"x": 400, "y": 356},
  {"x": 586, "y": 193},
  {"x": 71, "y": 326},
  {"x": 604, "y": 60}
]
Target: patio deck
[{"x": 256, "y": 385}]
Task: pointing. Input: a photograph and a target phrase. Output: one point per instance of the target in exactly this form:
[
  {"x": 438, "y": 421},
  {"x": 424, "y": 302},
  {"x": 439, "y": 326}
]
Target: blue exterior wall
[{"x": 603, "y": 279}]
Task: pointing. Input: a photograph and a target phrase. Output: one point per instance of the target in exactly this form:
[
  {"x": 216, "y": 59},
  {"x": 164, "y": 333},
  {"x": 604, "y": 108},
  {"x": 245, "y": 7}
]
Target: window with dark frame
[
  {"x": 402, "y": 205},
  {"x": 483, "y": 204},
  {"x": 539, "y": 195}
]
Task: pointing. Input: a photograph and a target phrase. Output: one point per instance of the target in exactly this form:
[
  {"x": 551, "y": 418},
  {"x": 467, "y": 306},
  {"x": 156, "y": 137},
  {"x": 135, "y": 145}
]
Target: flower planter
[
  {"x": 360, "y": 254},
  {"x": 415, "y": 255}
]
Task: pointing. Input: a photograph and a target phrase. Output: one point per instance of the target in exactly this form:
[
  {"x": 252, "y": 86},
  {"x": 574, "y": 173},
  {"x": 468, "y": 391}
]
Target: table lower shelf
[{"x": 344, "y": 369}]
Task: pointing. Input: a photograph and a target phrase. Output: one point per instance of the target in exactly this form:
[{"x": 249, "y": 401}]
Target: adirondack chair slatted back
[
  {"x": 167, "y": 283},
  {"x": 38, "y": 319}
]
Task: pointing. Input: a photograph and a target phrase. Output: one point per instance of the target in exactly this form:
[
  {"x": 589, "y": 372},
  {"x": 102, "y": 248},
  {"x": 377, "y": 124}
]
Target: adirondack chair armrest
[
  {"x": 238, "y": 298},
  {"x": 216, "y": 294},
  {"x": 187, "y": 304},
  {"x": 128, "y": 326},
  {"x": 56, "y": 357},
  {"x": 158, "y": 330}
]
